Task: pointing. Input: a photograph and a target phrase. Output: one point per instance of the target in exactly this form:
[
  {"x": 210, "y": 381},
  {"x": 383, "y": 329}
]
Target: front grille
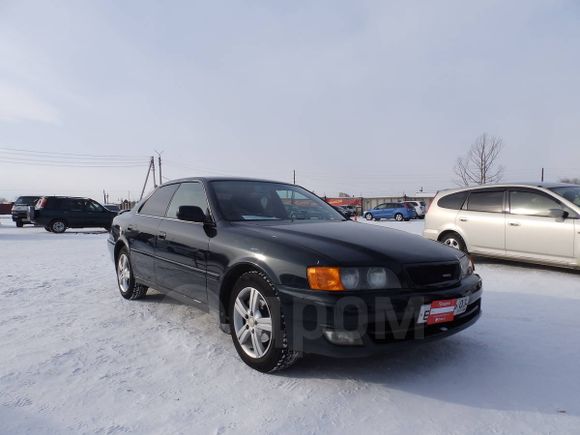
[{"x": 434, "y": 274}]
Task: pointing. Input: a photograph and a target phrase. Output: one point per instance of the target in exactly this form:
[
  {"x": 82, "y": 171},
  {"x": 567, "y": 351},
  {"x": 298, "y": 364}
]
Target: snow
[{"x": 77, "y": 358}]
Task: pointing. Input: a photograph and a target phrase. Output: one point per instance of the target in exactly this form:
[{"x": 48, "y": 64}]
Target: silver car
[{"x": 537, "y": 223}]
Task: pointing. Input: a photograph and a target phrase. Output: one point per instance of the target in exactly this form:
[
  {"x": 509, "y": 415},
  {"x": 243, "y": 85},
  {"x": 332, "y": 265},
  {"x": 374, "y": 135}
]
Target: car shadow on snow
[{"x": 521, "y": 356}]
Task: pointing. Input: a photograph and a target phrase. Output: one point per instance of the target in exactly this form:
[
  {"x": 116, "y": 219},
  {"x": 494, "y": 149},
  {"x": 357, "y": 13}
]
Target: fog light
[{"x": 344, "y": 338}]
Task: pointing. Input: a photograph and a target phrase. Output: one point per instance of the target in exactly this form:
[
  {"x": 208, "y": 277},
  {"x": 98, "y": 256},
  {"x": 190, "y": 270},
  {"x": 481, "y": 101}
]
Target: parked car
[
  {"x": 537, "y": 223},
  {"x": 419, "y": 207},
  {"x": 113, "y": 207},
  {"x": 57, "y": 213},
  {"x": 284, "y": 284},
  {"x": 20, "y": 209},
  {"x": 391, "y": 210}
]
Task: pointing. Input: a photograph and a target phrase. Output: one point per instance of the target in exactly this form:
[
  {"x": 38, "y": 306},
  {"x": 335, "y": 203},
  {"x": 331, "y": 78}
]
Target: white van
[{"x": 539, "y": 223}]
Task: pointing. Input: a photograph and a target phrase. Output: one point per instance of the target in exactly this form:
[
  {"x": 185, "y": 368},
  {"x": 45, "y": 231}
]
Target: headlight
[
  {"x": 467, "y": 266},
  {"x": 351, "y": 278}
]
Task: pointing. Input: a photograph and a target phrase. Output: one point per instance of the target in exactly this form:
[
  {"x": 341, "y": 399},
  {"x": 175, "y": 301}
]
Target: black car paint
[
  {"x": 57, "y": 209},
  {"x": 199, "y": 262}
]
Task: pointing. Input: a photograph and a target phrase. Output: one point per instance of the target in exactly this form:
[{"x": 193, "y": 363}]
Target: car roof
[
  {"x": 209, "y": 179},
  {"x": 544, "y": 185}
]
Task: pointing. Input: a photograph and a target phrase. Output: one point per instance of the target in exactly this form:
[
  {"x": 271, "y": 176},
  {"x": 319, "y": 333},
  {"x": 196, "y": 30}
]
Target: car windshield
[
  {"x": 265, "y": 201},
  {"x": 571, "y": 193}
]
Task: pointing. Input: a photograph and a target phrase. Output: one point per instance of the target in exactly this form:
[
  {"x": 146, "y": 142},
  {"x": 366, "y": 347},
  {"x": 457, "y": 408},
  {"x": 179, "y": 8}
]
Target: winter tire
[
  {"x": 257, "y": 324},
  {"x": 125, "y": 280},
  {"x": 58, "y": 226},
  {"x": 398, "y": 217}
]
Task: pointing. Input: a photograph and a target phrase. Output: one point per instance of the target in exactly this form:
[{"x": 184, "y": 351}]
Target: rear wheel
[
  {"x": 19, "y": 223},
  {"x": 398, "y": 217},
  {"x": 58, "y": 226},
  {"x": 455, "y": 241},
  {"x": 125, "y": 279},
  {"x": 257, "y": 324}
]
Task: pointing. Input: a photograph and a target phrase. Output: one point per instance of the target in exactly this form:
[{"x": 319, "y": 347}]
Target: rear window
[
  {"x": 486, "y": 201},
  {"x": 454, "y": 201},
  {"x": 158, "y": 202}
]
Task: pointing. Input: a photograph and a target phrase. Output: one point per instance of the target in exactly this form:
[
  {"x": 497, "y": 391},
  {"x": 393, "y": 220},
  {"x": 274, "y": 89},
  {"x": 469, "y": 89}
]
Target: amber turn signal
[{"x": 324, "y": 278}]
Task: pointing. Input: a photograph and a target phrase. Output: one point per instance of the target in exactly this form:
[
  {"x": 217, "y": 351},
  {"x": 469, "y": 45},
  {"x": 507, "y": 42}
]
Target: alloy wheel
[
  {"x": 453, "y": 243},
  {"x": 124, "y": 273},
  {"x": 253, "y": 322}
]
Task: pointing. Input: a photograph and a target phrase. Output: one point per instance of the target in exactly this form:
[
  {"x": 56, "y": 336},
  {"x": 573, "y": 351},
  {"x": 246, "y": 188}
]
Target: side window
[
  {"x": 187, "y": 194},
  {"x": 158, "y": 202},
  {"x": 380, "y": 206},
  {"x": 486, "y": 201},
  {"x": 94, "y": 206},
  {"x": 454, "y": 201},
  {"x": 528, "y": 203},
  {"x": 76, "y": 204}
]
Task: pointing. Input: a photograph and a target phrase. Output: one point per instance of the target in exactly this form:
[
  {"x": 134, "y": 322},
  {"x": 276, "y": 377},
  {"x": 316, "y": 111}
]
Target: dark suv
[
  {"x": 20, "y": 209},
  {"x": 57, "y": 213}
]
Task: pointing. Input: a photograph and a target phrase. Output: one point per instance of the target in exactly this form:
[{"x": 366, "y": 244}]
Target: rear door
[
  {"x": 182, "y": 247},
  {"x": 531, "y": 233},
  {"x": 482, "y": 221},
  {"x": 142, "y": 232}
]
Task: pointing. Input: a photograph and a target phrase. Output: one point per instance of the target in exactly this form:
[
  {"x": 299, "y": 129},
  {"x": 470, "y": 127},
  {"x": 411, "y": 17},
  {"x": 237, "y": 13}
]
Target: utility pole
[
  {"x": 104, "y": 197},
  {"x": 294, "y": 172},
  {"x": 153, "y": 171},
  {"x": 542, "y": 175},
  {"x": 159, "y": 163},
  {"x": 151, "y": 165}
]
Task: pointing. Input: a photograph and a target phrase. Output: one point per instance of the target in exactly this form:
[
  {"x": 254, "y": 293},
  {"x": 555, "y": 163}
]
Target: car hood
[{"x": 353, "y": 243}]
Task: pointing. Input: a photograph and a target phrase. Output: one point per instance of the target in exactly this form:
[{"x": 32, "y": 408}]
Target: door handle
[
  {"x": 515, "y": 224},
  {"x": 162, "y": 235},
  {"x": 463, "y": 219}
]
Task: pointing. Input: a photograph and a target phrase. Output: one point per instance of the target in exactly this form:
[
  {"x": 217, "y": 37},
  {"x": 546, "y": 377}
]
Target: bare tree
[{"x": 481, "y": 164}]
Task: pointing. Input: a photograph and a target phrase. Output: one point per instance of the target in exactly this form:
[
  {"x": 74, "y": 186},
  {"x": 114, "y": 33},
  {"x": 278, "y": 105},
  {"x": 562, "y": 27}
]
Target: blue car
[{"x": 391, "y": 210}]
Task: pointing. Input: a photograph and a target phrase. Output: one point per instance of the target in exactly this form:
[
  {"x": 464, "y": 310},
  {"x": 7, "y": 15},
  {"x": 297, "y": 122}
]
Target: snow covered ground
[{"x": 77, "y": 358}]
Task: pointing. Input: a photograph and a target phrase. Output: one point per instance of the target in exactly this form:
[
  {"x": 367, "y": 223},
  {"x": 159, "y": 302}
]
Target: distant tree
[
  {"x": 481, "y": 164},
  {"x": 343, "y": 195},
  {"x": 570, "y": 180},
  {"x": 3, "y": 200}
]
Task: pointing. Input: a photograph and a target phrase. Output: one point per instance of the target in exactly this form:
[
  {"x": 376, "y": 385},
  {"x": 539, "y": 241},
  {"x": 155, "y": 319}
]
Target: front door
[
  {"x": 182, "y": 247},
  {"x": 531, "y": 233}
]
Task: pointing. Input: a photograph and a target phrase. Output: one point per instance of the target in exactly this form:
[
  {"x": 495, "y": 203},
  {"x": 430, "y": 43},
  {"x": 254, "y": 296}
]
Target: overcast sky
[{"x": 356, "y": 96}]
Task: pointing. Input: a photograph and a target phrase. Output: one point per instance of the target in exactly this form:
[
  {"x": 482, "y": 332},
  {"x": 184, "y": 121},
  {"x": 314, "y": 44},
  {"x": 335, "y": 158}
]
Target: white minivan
[{"x": 538, "y": 223}]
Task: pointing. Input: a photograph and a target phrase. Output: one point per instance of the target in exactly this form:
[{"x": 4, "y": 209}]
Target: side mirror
[
  {"x": 191, "y": 213},
  {"x": 558, "y": 213}
]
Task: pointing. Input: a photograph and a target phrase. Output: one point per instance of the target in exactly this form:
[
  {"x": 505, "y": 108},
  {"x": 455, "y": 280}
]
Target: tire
[
  {"x": 47, "y": 228},
  {"x": 263, "y": 350},
  {"x": 368, "y": 216},
  {"x": 398, "y": 217},
  {"x": 125, "y": 280},
  {"x": 454, "y": 240},
  {"x": 19, "y": 223},
  {"x": 58, "y": 226}
]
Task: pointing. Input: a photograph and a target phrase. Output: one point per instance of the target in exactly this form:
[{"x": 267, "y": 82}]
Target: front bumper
[{"x": 384, "y": 321}]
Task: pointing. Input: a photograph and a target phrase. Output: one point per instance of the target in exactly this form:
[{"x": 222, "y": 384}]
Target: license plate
[{"x": 442, "y": 311}]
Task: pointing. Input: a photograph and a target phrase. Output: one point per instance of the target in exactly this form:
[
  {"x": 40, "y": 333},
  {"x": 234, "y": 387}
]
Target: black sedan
[{"x": 285, "y": 274}]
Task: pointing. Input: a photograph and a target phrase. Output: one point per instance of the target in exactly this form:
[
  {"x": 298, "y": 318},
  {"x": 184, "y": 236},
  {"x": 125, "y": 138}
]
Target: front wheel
[
  {"x": 369, "y": 217},
  {"x": 398, "y": 217},
  {"x": 257, "y": 324},
  {"x": 19, "y": 223},
  {"x": 125, "y": 279}
]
